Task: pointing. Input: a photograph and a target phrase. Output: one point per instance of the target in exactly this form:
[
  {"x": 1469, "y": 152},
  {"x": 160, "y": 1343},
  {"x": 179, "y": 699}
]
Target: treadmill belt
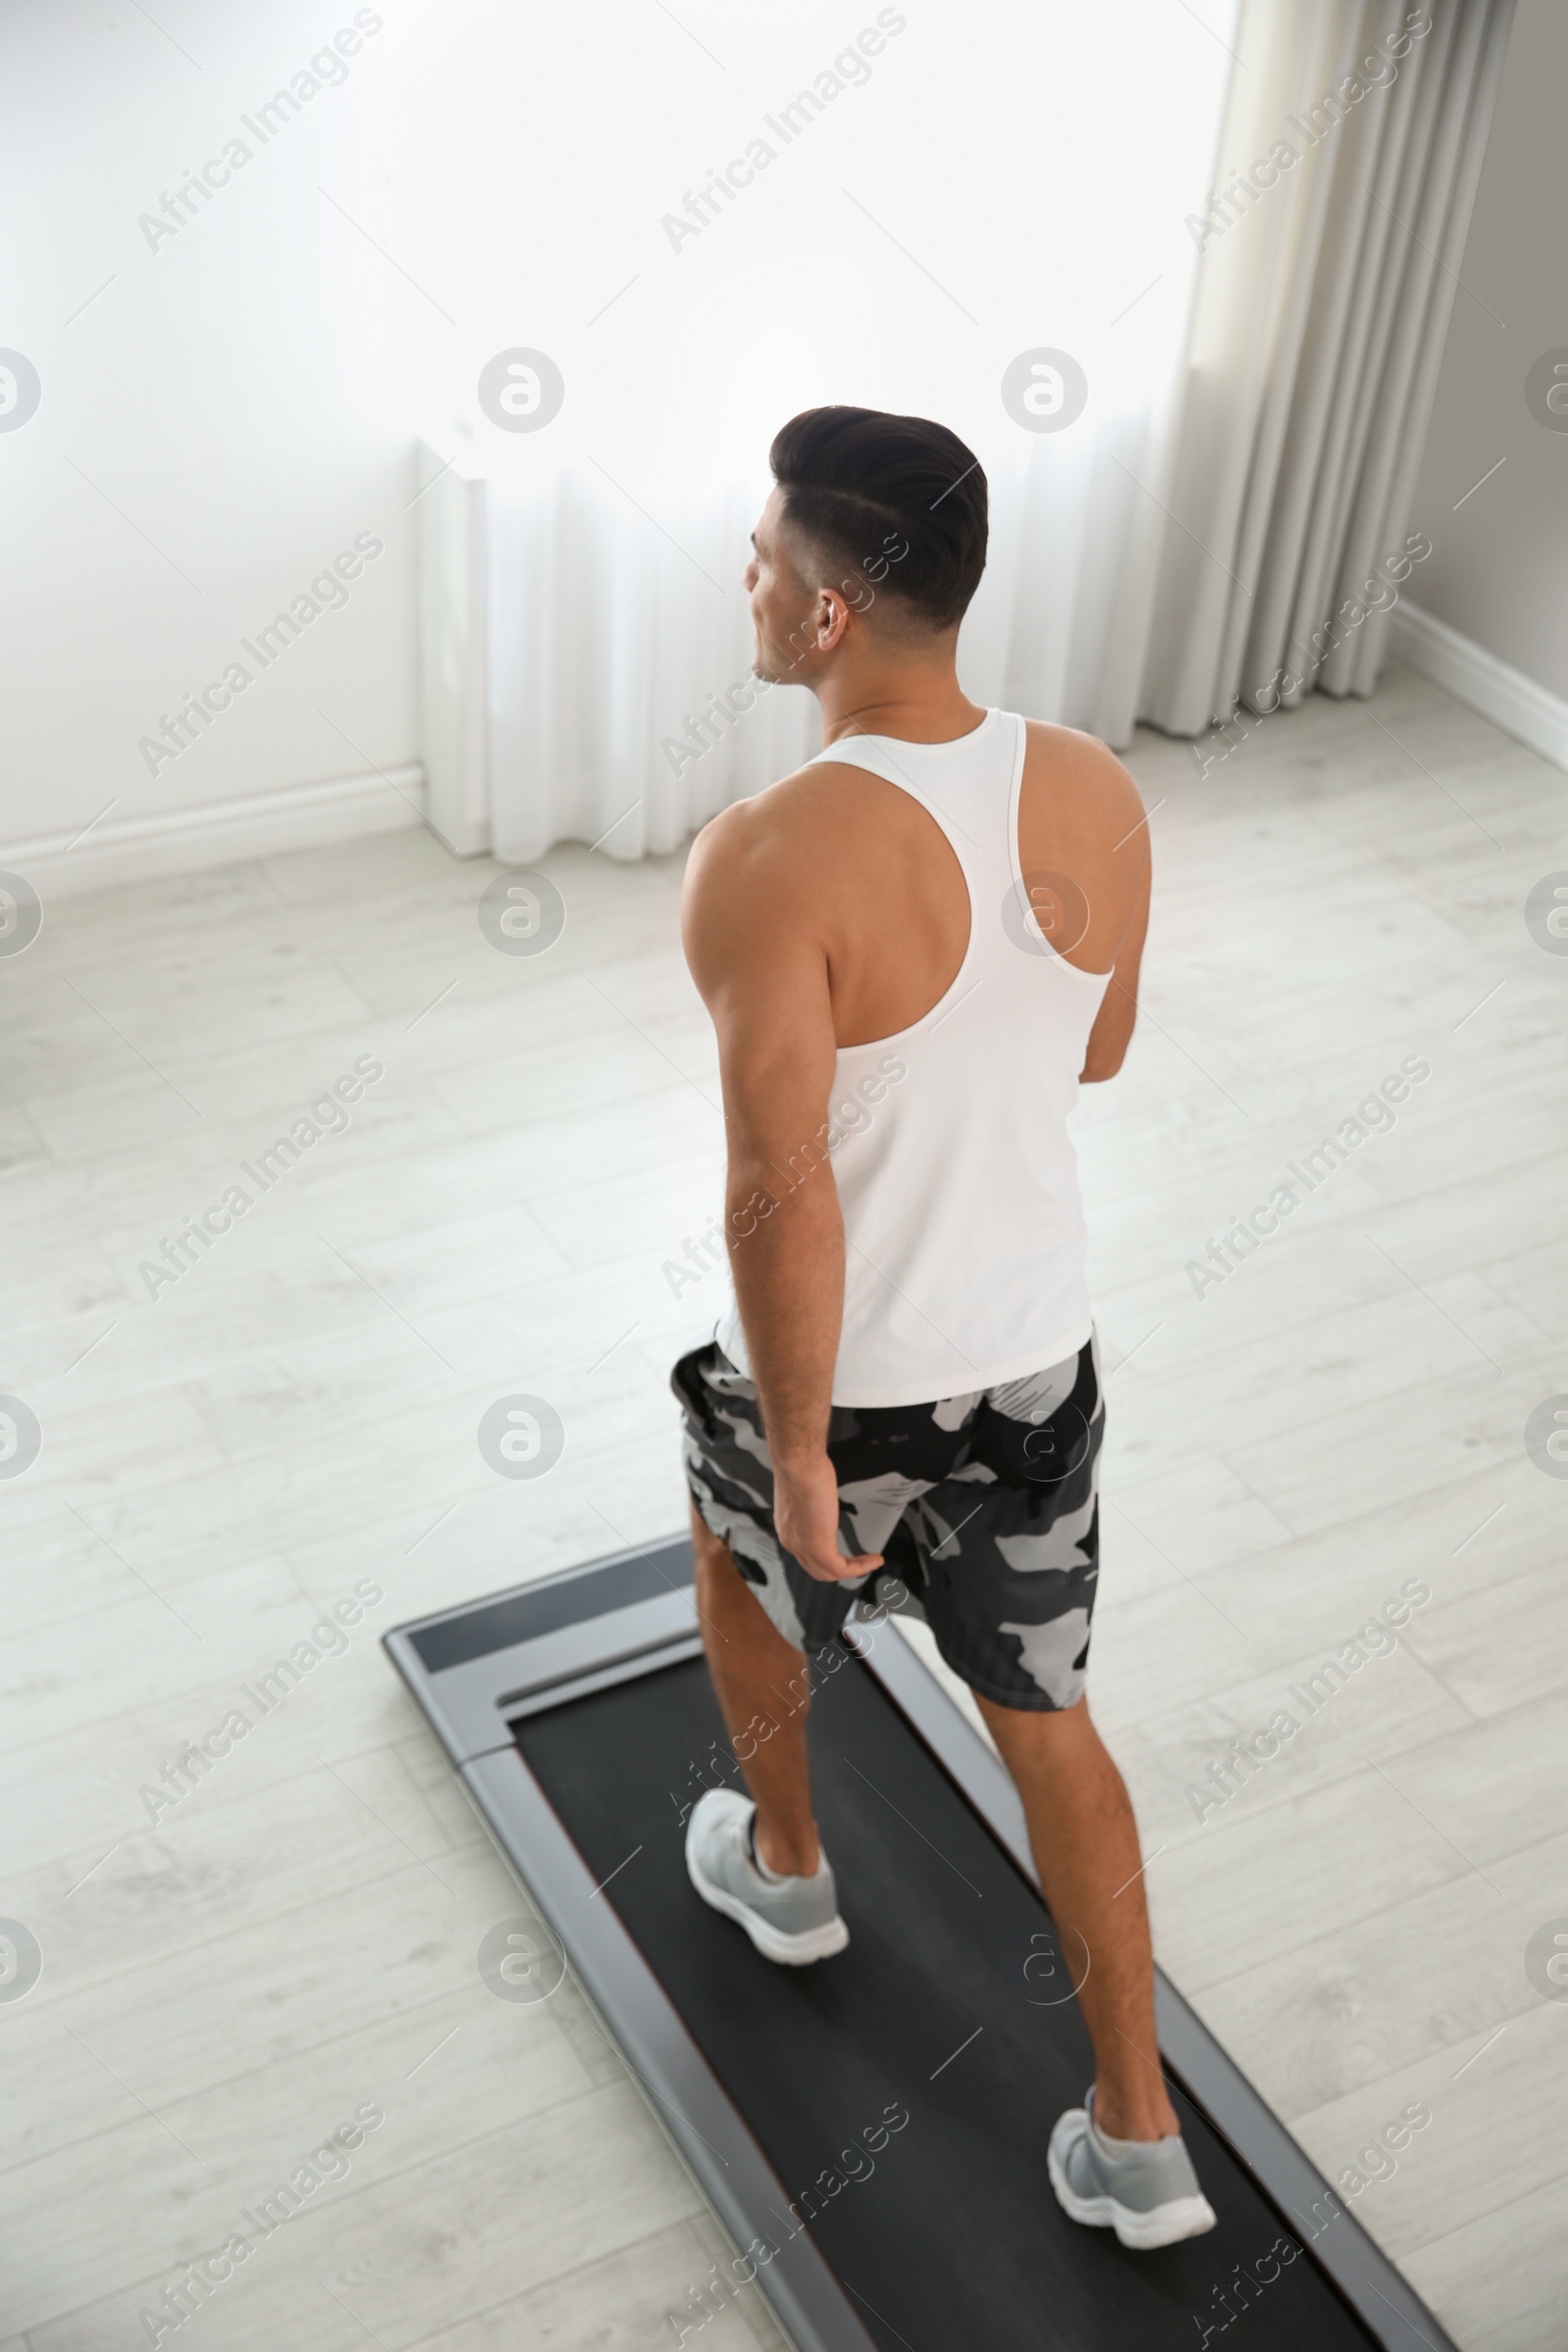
[{"x": 947, "y": 2011}]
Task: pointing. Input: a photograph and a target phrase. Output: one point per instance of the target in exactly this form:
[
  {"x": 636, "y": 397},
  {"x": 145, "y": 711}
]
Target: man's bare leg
[
  {"x": 1085, "y": 1842},
  {"x": 1081, "y": 1827},
  {"x": 762, "y": 1692}
]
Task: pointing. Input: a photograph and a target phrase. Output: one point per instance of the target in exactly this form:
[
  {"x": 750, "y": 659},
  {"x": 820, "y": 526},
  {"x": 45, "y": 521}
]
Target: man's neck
[{"x": 917, "y": 703}]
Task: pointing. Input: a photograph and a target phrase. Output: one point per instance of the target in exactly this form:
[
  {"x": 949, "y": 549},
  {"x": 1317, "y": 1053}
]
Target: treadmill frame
[{"x": 472, "y": 1706}]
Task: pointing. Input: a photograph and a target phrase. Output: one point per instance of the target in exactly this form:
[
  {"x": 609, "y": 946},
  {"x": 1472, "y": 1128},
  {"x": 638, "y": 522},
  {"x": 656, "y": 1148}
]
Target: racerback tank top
[{"x": 964, "y": 1231}]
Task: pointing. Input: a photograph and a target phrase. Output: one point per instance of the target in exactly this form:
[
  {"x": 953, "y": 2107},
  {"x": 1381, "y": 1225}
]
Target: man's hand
[{"x": 805, "y": 1513}]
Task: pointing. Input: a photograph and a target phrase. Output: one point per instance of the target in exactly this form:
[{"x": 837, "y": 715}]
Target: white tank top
[{"x": 964, "y": 1232}]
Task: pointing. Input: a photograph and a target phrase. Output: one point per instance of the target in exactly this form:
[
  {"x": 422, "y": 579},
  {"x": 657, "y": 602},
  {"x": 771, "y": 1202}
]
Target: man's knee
[
  {"x": 1041, "y": 1735},
  {"x": 721, "y": 1583},
  {"x": 732, "y": 1607},
  {"x": 717, "y": 1576},
  {"x": 1069, "y": 1722}
]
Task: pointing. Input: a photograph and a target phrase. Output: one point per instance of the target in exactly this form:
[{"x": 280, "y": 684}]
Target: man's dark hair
[{"x": 860, "y": 484}]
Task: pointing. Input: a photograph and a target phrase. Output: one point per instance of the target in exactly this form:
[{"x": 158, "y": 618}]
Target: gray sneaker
[
  {"x": 1145, "y": 2189},
  {"x": 791, "y": 1920}
]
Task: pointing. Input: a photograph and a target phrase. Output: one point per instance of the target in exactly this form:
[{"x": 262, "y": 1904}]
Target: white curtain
[
  {"x": 622, "y": 706},
  {"x": 1012, "y": 177}
]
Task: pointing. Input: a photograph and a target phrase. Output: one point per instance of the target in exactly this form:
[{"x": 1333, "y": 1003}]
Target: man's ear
[{"x": 832, "y": 618}]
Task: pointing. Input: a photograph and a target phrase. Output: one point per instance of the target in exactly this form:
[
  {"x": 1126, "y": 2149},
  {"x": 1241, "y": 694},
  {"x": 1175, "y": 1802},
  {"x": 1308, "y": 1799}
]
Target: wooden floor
[{"x": 233, "y": 1972}]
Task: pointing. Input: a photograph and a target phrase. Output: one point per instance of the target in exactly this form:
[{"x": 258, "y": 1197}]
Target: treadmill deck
[{"x": 872, "y": 2130}]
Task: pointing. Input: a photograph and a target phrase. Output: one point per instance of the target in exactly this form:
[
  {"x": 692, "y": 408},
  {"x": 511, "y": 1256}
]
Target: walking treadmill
[{"x": 870, "y": 2132}]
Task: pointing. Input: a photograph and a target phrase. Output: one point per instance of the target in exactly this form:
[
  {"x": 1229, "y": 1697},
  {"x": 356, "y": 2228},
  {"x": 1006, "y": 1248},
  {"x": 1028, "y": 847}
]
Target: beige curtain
[{"x": 1276, "y": 522}]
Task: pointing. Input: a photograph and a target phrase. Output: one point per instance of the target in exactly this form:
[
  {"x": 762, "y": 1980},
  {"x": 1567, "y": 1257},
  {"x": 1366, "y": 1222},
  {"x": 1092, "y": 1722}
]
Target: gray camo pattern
[{"x": 985, "y": 1506}]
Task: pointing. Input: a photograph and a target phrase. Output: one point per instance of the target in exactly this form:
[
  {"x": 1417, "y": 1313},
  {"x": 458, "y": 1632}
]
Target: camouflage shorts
[{"x": 984, "y": 1507}]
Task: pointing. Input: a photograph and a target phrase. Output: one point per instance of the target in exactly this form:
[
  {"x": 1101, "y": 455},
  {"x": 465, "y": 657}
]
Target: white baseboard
[
  {"x": 1468, "y": 671},
  {"x": 179, "y": 840}
]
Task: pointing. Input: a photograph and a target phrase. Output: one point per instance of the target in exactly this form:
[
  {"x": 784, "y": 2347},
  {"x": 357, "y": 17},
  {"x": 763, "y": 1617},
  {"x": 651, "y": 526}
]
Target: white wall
[
  {"x": 234, "y": 408},
  {"x": 215, "y": 427},
  {"x": 1498, "y": 572}
]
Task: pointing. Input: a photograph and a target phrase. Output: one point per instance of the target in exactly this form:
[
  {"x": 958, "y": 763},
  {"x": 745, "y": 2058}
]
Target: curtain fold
[
  {"x": 622, "y": 712},
  {"x": 1349, "y": 154}
]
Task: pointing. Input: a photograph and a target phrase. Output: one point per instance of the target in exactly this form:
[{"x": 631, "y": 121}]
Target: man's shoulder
[
  {"x": 1070, "y": 752},
  {"x": 763, "y": 845},
  {"x": 1082, "y": 777},
  {"x": 766, "y": 827},
  {"x": 753, "y": 893}
]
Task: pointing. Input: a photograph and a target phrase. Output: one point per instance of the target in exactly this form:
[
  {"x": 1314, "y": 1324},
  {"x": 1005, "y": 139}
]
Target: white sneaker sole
[
  {"x": 1164, "y": 2226},
  {"x": 792, "y": 1951}
]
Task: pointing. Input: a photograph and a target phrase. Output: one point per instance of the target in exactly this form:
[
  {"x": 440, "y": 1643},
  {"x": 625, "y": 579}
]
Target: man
[{"x": 912, "y": 950}]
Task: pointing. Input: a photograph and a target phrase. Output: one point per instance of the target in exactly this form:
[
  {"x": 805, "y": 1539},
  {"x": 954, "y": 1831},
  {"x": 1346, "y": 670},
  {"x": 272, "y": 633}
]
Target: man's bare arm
[
  {"x": 761, "y": 970},
  {"x": 1130, "y": 878},
  {"x": 1081, "y": 814},
  {"x": 1112, "y": 1030}
]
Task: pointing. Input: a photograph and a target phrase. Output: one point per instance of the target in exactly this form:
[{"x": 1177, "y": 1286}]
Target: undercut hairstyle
[{"x": 862, "y": 485}]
